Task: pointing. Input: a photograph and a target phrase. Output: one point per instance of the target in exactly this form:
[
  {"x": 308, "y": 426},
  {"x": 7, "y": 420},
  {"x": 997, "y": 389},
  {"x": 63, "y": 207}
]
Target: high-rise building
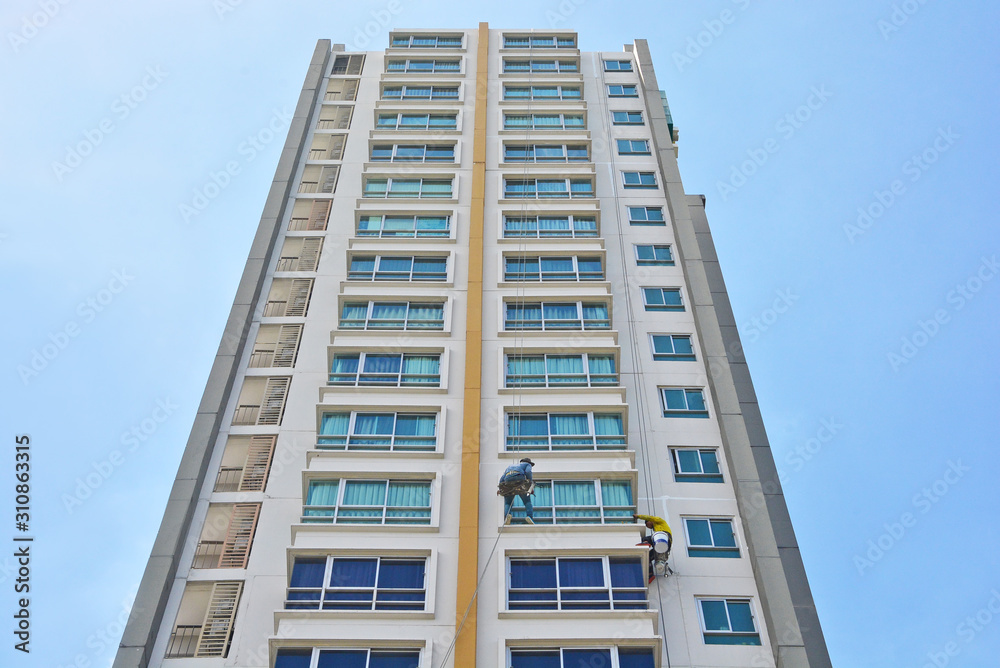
[{"x": 476, "y": 249}]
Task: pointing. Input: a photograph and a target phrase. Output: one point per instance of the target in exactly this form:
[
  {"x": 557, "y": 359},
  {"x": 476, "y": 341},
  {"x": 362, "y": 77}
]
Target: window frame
[
  {"x": 410, "y": 45},
  {"x": 563, "y": 594},
  {"x": 575, "y": 274},
  {"x": 531, "y": 152},
  {"x": 533, "y": 125},
  {"x": 560, "y": 88},
  {"x": 644, "y": 150},
  {"x": 334, "y": 517},
  {"x": 668, "y": 261},
  {"x": 402, "y": 380},
  {"x": 618, "y": 66},
  {"x": 423, "y": 443},
  {"x": 437, "y": 93},
  {"x": 316, "y": 651},
  {"x": 672, "y": 356},
  {"x": 424, "y": 159},
  {"x": 408, "y": 277},
  {"x": 570, "y": 232},
  {"x": 644, "y": 180},
  {"x": 548, "y": 514},
  {"x": 647, "y": 220},
  {"x": 584, "y": 379},
  {"x": 419, "y": 193},
  {"x": 401, "y": 233},
  {"x": 711, "y": 550},
  {"x": 428, "y": 126},
  {"x": 436, "y": 63},
  {"x": 561, "y": 66},
  {"x": 325, "y": 588},
  {"x": 590, "y": 442},
  {"x": 531, "y": 39},
  {"x": 664, "y": 306},
  {"x": 730, "y": 637},
  {"x": 406, "y": 324},
  {"x": 535, "y": 193},
  {"x": 578, "y": 324},
  {"x": 630, "y": 118},
  {"x": 624, "y": 92},
  {"x": 687, "y": 411},
  {"x": 696, "y": 477}
]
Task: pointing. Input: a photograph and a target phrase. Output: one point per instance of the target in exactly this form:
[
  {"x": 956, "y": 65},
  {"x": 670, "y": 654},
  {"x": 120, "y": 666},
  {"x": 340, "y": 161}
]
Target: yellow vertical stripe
[{"x": 468, "y": 523}]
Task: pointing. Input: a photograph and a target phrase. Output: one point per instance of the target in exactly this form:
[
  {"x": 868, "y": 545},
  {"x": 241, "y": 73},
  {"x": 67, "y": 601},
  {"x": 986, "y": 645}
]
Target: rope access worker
[
  {"x": 517, "y": 480},
  {"x": 657, "y": 550}
]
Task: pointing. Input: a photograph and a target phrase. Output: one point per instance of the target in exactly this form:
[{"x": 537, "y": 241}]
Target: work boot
[
  {"x": 529, "y": 520},
  {"x": 506, "y": 520}
]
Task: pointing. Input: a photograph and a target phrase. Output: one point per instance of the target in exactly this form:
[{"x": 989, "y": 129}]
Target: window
[
  {"x": 417, "y": 122},
  {"x": 654, "y": 254},
  {"x": 544, "y": 227},
  {"x": 540, "y": 66},
  {"x": 426, "y": 42},
  {"x": 617, "y": 65},
  {"x": 420, "y": 93},
  {"x": 386, "y": 369},
  {"x": 583, "y": 370},
  {"x": 549, "y": 316},
  {"x": 368, "y": 502},
  {"x": 554, "y": 42},
  {"x": 404, "y": 226},
  {"x": 576, "y": 583},
  {"x": 626, "y": 657},
  {"x": 662, "y": 299},
  {"x": 711, "y": 537},
  {"x": 728, "y": 621},
  {"x": 357, "y": 583},
  {"x": 646, "y": 215},
  {"x": 352, "y": 430},
  {"x": 552, "y": 92},
  {"x": 348, "y": 658},
  {"x": 573, "y": 268},
  {"x": 639, "y": 179},
  {"x": 397, "y": 187},
  {"x": 543, "y": 122},
  {"x": 407, "y": 268},
  {"x": 675, "y": 347},
  {"x": 564, "y": 431},
  {"x": 627, "y": 90},
  {"x": 544, "y": 153},
  {"x": 580, "y": 502},
  {"x": 633, "y": 147},
  {"x": 392, "y": 315},
  {"x": 547, "y": 188},
  {"x": 423, "y": 66},
  {"x": 626, "y": 117},
  {"x": 413, "y": 153},
  {"x": 696, "y": 465},
  {"x": 683, "y": 402}
]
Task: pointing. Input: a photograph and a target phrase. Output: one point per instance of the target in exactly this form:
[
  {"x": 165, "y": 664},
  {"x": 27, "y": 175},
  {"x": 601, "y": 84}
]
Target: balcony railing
[
  {"x": 207, "y": 554},
  {"x": 262, "y": 359},
  {"x": 275, "y": 309},
  {"x": 246, "y": 414},
  {"x": 183, "y": 641},
  {"x": 229, "y": 479}
]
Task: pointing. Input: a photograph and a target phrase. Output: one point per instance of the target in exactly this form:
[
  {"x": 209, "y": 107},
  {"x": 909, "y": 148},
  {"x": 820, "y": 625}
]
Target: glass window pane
[
  {"x": 533, "y": 574},
  {"x": 353, "y": 572},
  {"x": 581, "y": 573},
  {"x": 308, "y": 572},
  {"x": 586, "y": 657},
  {"x": 722, "y": 533},
  {"x": 715, "y": 616},
  {"x": 688, "y": 461},
  {"x": 695, "y": 400},
  {"x": 674, "y": 400},
  {"x": 698, "y": 532},
  {"x": 394, "y": 659},
  {"x": 710, "y": 461},
  {"x": 401, "y": 574},
  {"x": 343, "y": 658},
  {"x": 533, "y": 658},
  {"x": 634, "y": 657},
  {"x": 626, "y": 573},
  {"x": 740, "y": 617}
]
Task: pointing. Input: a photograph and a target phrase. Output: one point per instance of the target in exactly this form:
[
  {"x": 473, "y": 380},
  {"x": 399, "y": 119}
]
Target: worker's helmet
[{"x": 527, "y": 461}]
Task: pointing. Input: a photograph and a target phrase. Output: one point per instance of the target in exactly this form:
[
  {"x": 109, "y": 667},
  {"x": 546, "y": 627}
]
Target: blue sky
[{"x": 848, "y": 154}]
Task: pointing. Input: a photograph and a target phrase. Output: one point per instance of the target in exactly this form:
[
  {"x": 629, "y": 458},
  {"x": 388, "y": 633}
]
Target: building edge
[
  {"x": 154, "y": 588},
  {"x": 786, "y": 600}
]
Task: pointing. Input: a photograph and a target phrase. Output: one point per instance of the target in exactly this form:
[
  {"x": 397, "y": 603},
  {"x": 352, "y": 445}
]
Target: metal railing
[
  {"x": 246, "y": 414},
  {"x": 183, "y": 641},
  {"x": 207, "y": 553},
  {"x": 229, "y": 479}
]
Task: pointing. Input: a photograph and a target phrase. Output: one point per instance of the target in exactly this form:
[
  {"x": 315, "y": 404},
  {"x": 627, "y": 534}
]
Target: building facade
[{"x": 477, "y": 248}]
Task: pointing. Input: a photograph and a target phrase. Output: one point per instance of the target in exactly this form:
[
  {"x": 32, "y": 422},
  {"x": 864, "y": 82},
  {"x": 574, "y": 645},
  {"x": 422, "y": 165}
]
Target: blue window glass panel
[
  {"x": 695, "y": 400},
  {"x": 415, "y": 425},
  {"x": 722, "y": 533},
  {"x": 369, "y": 424},
  {"x": 689, "y": 461},
  {"x": 682, "y": 345},
  {"x": 343, "y": 658},
  {"x": 626, "y": 572},
  {"x": 586, "y": 657},
  {"x": 430, "y": 267},
  {"x": 740, "y": 617},
  {"x": 710, "y": 462},
  {"x": 532, "y": 574},
  {"x": 581, "y": 573},
  {"x": 635, "y": 657},
  {"x": 308, "y": 572},
  {"x": 364, "y": 265},
  {"x": 394, "y": 659},
  {"x": 353, "y": 572},
  {"x": 401, "y": 574},
  {"x": 527, "y": 425},
  {"x": 535, "y": 658},
  {"x": 699, "y": 532},
  {"x": 715, "y": 615},
  {"x": 364, "y": 493},
  {"x": 674, "y": 400},
  {"x": 295, "y": 658},
  {"x": 382, "y": 364}
]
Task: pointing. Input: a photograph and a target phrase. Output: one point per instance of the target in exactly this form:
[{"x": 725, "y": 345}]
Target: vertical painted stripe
[{"x": 468, "y": 526}]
